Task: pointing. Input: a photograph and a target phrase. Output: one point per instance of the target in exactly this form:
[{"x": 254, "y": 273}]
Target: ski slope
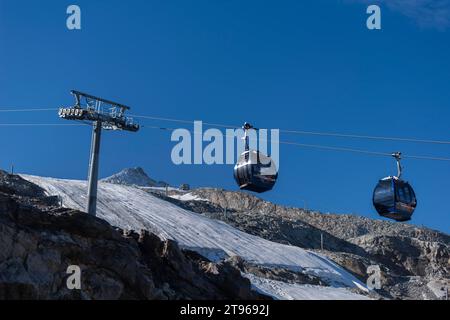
[{"x": 132, "y": 208}]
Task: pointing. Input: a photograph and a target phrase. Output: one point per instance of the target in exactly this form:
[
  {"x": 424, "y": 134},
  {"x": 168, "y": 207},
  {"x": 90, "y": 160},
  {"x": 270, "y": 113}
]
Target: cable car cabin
[
  {"x": 394, "y": 198},
  {"x": 255, "y": 172}
]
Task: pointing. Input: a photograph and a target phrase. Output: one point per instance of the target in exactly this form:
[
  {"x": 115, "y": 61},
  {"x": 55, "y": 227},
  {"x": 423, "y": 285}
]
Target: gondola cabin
[
  {"x": 395, "y": 199},
  {"x": 255, "y": 172}
]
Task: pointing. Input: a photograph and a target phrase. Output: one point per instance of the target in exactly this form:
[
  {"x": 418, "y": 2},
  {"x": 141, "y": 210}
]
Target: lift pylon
[{"x": 103, "y": 114}]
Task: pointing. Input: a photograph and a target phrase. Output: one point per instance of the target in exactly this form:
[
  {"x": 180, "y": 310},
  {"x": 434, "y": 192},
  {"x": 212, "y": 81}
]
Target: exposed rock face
[
  {"x": 410, "y": 257},
  {"x": 38, "y": 242},
  {"x": 14, "y": 184}
]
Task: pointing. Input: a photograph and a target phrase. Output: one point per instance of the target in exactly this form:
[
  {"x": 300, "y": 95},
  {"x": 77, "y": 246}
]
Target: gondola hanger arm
[{"x": 398, "y": 158}]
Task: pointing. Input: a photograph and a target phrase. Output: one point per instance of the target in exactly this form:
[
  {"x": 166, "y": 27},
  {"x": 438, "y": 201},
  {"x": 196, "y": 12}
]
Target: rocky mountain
[
  {"x": 134, "y": 177},
  {"x": 415, "y": 261},
  {"x": 39, "y": 240},
  {"x": 285, "y": 252},
  {"x": 276, "y": 269}
]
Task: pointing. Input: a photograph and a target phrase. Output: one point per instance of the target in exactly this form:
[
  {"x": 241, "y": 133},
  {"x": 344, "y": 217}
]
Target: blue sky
[{"x": 305, "y": 65}]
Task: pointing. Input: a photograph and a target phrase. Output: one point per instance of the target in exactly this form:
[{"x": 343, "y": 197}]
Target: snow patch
[
  {"x": 294, "y": 291},
  {"x": 187, "y": 197}
]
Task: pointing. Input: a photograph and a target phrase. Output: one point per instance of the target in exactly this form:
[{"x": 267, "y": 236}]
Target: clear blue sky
[{"x": 306, "y": 65}]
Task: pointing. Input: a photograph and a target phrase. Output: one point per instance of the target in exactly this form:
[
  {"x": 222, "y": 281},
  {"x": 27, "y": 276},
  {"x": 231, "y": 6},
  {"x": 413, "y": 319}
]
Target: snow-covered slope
[
  {"x": 292, "y": 291},
  {"x": 133, "y": 208}
]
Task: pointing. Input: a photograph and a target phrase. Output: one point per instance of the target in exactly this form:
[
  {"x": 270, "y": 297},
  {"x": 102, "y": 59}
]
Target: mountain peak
[{"x": 134, "y": 177}]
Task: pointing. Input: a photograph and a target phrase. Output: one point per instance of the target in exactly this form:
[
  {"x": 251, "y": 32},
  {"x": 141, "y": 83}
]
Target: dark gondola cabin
[
  {"x": 393, "y": 197},
  {"x": 254, "y": 171}
]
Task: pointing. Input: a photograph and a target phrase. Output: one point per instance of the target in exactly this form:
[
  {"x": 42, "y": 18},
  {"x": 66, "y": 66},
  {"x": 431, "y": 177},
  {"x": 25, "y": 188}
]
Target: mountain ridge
[
  {"x": 138, "y": 208},
  {"x": 414, "y": 260},
  {"x": 135, "y": 176}
]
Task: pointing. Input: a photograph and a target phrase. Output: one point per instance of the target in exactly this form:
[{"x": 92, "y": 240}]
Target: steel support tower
[{"x": 102, "y": 114}]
